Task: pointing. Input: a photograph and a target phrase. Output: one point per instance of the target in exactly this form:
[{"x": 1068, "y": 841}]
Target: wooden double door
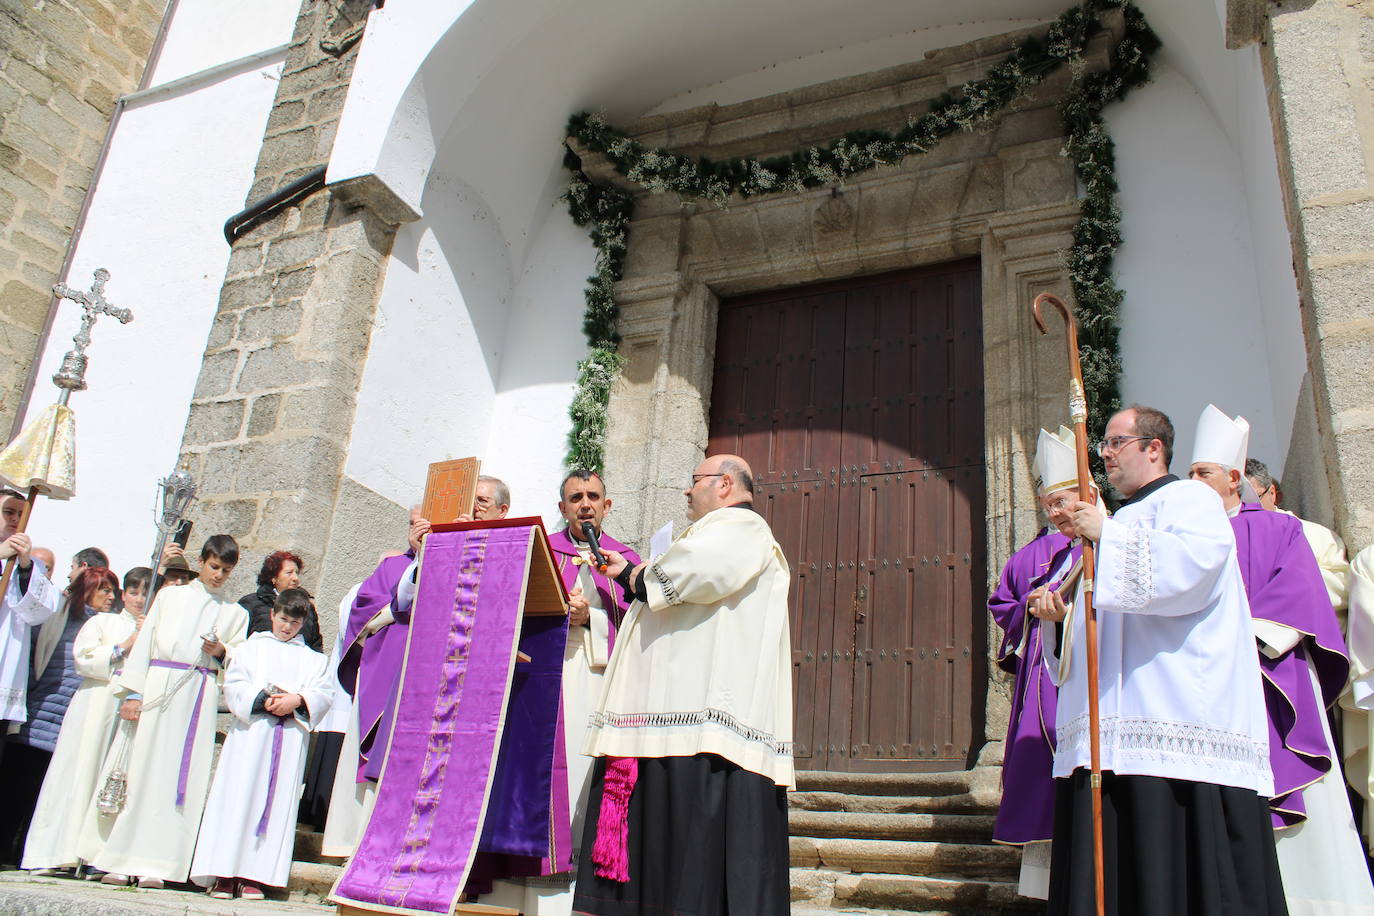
[{"x": 859, "y": 406}]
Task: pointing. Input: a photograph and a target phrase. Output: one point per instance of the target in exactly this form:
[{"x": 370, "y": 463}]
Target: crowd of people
[
  {"x": 1223, "y": 646},
  {"x": 112, "y": 711},
  {"x": 110, "y": 705},
  {"x": 1228, "y": 632}
]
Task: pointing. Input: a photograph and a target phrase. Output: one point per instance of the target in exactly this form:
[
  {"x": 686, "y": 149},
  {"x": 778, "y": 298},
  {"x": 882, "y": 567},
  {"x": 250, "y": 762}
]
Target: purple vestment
[
  {"x": 437, "y": 796},
  {"x": 1027, "y": 811},
  {"x": 1285, "y": 586},
  {"x": 370, "y": 668},
  {"x": 566, "y": 555}
]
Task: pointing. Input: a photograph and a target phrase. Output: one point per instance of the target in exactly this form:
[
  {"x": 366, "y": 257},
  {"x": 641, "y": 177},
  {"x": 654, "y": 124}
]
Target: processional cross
[{"x": 72, "y": 376}]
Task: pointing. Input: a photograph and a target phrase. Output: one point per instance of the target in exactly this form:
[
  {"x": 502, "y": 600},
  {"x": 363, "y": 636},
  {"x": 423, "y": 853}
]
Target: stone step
[
  {"x": 919, "y": 893},
  {"x": 962, "y": 803},
  {"x": 308, "y": 846},
  {"x": 310, "y": 882},
  {"x": 906, "y": 857},
  {"x": 22, "y": 895},
  {"x": 948, "y": 783},
  {"x": 951, "y": 828}
]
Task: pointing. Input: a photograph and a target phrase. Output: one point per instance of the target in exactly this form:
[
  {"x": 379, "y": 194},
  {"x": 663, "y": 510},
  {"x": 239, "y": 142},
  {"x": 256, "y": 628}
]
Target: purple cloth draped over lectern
[
  {"x": 1285, "y": 586},
  {"x": 370, "y": 668},
  {"x": 1027, "y": 811},
  {"x": 528, "y": 828},
  {"x": 436, "y": 787}
]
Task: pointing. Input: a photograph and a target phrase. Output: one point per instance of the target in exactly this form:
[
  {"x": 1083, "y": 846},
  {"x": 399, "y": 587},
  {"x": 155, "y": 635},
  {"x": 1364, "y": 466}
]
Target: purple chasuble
[
  {"x": 457, "y": 718},
  {"x": 1027, "y": 810},
  {"x": 565, "y": 553},
  {"x": 371, "y": 670},
  {"x": 1284, "y": 585}
]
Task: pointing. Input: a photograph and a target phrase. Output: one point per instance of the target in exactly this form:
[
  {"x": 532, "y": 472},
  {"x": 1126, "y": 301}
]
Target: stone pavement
[{"x": 22, "y": 895}]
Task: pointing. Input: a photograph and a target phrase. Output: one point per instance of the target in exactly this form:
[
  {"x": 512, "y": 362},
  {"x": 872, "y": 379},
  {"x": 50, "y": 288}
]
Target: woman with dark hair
[
  {"x": 71, "y": 784},
  {"x": 280, "y": 571},
  {"x": 30, "y": 749}
]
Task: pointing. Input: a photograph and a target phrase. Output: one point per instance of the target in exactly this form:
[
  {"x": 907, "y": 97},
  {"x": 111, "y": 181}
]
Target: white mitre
[
  {"x": 1224, "y": 441},
  {"x": 1056, "y": 461}
]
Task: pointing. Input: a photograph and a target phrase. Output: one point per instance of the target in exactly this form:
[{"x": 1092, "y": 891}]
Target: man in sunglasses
[{"x": 1184, "y": 734}]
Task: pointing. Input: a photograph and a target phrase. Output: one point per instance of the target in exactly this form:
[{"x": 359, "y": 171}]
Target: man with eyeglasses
[
  {"x": 693, "y": 734},
  {"x": 1026, "y": 816},
  {"x": 1184, "y": 735},
  {"x": 1303, "y": 659}
]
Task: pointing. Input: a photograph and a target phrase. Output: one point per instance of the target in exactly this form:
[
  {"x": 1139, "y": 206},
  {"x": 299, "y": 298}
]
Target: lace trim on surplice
[
  {"x": 708, "y": 716},
  {"x": 1135, "y": 573},
  {"x": 669, "y": 589},
  {"x": 1164, "y": 740}
]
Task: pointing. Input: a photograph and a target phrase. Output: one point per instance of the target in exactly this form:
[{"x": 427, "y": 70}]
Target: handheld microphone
[{"x": 589, "y": 532}]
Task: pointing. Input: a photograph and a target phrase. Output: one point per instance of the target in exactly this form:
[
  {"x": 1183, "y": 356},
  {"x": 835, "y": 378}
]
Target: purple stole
[
  {"x": 371, "y": 671},
  {"x": 1027, "y": 811},
  {"x": 1285, "y": 586},
  {"x": 460, "y": 772},
  {"x": 567, "y": 556}
]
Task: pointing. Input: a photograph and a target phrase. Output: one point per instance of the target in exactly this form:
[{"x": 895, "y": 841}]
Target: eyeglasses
[
  {"x": 1113, "y": 444},
  {"x": 698, "y": 478}
]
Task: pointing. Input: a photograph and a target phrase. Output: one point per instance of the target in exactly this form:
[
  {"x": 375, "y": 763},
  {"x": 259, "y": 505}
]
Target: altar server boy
[{"x": 278, "y": 690}]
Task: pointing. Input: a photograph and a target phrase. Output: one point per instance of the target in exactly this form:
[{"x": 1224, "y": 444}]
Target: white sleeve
[
  {"x": 241, "y": 688},
  {"x": 39, "y": 602},
  {"x": 1361, "y": 629},
  {"x": 1171, "y": 568},
  {"x": 318, "y": 693},
  {"x": 710, "y": 562},
  {"x": 1275, "y": 639},
  {"x": 405, "y": 589}
]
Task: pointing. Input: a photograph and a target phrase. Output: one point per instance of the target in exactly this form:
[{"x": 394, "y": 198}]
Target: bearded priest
[
  {"x": 1184, "y": 736},
  {"x": 1305, "y": 666}
]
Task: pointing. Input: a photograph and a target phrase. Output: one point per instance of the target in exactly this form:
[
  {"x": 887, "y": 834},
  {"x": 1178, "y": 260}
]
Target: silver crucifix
[{"x": 72, "y": 376}]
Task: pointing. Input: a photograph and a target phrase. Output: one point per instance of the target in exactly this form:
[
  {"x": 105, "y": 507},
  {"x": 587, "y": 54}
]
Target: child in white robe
[
  {"x": 176, "y": 666},
  {"x": 278, "y": 690}
]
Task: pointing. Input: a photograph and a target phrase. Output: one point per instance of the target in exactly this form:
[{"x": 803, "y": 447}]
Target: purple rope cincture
[
  {"x": 278, "y": 728},
  {"x": 189, "y": 744}
]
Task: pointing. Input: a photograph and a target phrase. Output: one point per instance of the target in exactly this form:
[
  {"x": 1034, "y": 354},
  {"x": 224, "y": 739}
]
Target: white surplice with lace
[{"x": 1181, "y": 695}]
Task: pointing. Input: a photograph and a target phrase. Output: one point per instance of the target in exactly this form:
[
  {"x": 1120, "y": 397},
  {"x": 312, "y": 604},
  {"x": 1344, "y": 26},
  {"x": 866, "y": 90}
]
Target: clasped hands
[
  {"x": 1047, "y": 604},
  {"x": 17, "y": 544},
  {"x": 283, "y": 704}
]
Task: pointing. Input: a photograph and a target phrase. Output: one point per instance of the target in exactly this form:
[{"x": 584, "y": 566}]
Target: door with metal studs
[{"x": 859, "y": 405}]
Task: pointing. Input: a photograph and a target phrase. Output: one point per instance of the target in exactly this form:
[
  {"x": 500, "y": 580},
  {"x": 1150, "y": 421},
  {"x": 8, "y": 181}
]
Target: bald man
[{"x": 693, "y": 734}]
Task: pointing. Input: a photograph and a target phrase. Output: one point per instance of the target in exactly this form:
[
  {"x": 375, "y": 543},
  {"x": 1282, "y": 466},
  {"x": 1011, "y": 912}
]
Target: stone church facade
[{"x": 272, "y": 420}]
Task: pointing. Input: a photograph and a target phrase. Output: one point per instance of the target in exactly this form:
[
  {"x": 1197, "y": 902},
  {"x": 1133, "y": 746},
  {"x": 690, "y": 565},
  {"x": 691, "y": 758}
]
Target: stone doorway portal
[{"x": 859, "y": 405}]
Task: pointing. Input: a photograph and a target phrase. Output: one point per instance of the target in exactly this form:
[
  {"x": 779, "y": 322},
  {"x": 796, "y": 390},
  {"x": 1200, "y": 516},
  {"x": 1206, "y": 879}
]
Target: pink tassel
[{"x": 611, "y": 852}]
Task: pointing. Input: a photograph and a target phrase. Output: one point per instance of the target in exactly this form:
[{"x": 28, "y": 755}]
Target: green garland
[{"x": 608, "y": 210}]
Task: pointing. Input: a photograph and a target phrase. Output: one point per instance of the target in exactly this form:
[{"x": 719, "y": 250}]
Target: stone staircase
[
  {"x": 909, "y": 843},
  {"x": 915, "y": 843}
]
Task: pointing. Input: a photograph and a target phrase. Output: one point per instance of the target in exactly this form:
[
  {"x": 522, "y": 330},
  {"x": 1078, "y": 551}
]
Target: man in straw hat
[
  {"x": 1026, "y": 817},
  {"x": 1184, "y": 736},
  {"x": 1305, "y": 666}
]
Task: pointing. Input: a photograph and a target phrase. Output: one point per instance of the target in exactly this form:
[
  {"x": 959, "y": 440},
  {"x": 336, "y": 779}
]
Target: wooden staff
[
  {"x": 23, "y": 525},
  {"x": 1078, "y": 414}
]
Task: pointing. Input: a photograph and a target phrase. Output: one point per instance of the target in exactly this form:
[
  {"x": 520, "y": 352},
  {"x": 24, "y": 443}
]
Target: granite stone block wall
[{"x": 63, "y": 66}]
